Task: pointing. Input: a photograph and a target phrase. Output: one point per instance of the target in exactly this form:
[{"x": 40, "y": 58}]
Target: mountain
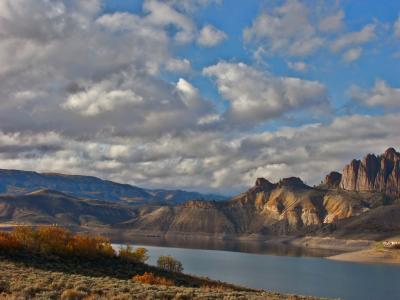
[
  {"x": 51, "y": 207},
  {"x": 373, "y": 173},
  {"x": 285, "y": 207},
  {"x": 16, "y": 182},
  {"x": 362, "y": 200}
]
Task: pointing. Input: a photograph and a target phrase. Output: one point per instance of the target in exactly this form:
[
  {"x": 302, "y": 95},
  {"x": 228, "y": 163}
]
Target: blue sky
[
  {"x": 378, "y": 59},
  {"x": 197, "y": 94}
]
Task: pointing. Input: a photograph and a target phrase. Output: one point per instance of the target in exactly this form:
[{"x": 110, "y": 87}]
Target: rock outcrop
[
  {"x": 286, "y": 207},
  {"x": 332, "y": 180},
  {"x": 374, "y": 173}
]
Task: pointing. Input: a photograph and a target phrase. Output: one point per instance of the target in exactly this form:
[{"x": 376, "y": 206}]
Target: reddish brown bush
[
  {"x": 150, "y": 278},
  {"x": 8, "y": 242},
  {"x": 139, "y": 255},
  {"x": 87, "y": 246},
  {"x": 56, "y": 240}
]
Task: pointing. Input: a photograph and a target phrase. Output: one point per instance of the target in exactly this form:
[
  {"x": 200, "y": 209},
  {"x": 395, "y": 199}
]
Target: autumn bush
[
  {"x": 170, "y": 264},
  {"x": 55, "y": 240},
  {"x": 150, "y": 278},
  {"x": 138, "y": 255},
  {"x": 8, "y": 242}
]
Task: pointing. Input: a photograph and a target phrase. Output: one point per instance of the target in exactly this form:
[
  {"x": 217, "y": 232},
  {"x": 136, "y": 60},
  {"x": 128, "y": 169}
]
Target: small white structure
[{"x": 391, "y": 244}]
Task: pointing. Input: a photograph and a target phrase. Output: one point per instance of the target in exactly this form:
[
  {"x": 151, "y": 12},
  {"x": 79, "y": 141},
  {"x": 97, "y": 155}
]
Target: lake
[{"x": 297, "y": 274}]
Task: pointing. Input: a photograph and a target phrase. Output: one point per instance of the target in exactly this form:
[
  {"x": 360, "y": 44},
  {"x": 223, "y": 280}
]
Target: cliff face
[
  {"x": 374, "y": 173},
  {"x": 332, "y": 180},
  {"x": 285, "y": 207}
]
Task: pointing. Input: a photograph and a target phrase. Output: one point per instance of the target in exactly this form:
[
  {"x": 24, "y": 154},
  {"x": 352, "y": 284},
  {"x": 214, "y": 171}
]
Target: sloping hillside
[
  {"x": 16, "y": 182},
  {"x": 286, "y": 207},
  {"x": 50, "y": 207}
]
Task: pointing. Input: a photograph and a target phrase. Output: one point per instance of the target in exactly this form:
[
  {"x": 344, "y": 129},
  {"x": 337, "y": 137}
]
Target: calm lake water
[{"x": 289, "y": 274}]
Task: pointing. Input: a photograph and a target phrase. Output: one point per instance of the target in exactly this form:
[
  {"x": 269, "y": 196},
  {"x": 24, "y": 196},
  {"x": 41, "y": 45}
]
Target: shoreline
[
  {"x": 370, "y": 256},
  {"x": 354, "y": 250}
]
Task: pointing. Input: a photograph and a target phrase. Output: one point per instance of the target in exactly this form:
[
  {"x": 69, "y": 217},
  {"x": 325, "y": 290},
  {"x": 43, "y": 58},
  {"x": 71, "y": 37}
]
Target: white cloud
[
  {"x": 210, "y": 36},
  {"x": 380, "y": 95},
  {"x": 191, "y": 5},
  {"x": 287, "y": 29},
  {"x": 396, "y": 28},
  {"x": 178, "y": 65},
  {"x": 202, "y": 161},
  {"x": 332, "y": 23},
  {"x": 101, "y": 97},
  {"x": 298, "y": 66},
  {"x": 352, "y": 54},
  {"x": 83, "y": 91},
  {"x": 162, "y": 14},
  {"x": 354, "y": 38},
  {"x": 255, "y": 96}
]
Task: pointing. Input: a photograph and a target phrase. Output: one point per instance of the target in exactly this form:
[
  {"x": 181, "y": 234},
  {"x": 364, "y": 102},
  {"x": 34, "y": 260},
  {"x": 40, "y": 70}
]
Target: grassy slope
[{"x": 24, "y": 276}]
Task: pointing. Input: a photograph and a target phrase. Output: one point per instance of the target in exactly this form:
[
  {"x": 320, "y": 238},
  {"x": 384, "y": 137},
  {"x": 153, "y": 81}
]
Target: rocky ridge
[{"x": 373, "y": 174}]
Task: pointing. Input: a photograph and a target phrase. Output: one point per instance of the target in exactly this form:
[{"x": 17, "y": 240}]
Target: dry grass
[
  {"x": 52, "y": 263},
  {"x": 18, "y": 281}
]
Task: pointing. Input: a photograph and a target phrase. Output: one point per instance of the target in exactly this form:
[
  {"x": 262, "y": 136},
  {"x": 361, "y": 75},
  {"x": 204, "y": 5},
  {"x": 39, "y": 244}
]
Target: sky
[{"x": 202, "y": 95}]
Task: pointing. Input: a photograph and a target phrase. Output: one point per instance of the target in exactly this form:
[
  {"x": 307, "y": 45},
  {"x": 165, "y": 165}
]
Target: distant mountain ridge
[
  {"x": 17, "y": 182},
  {"x": 343, "y": 205}
]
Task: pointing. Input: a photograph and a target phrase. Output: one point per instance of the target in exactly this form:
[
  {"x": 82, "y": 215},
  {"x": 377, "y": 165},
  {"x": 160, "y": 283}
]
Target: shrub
[
  {"x": 72, "y": 294},
  {"x": 139, "y": 255},
  {"x": 150, "y": 278},
  {"x": 53, "y": 240},
  {"x": 9, "y": 242},
  {"x": 86, "y": 246},
  {"x": 56, "y": 240},
  {"x": 4, "y": 286},
  {"x": 169, "y": 263},
  {"x": 26, "y": 236}
]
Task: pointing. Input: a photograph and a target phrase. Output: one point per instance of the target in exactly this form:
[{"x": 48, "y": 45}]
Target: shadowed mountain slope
[
  {"x": 50, "y": 207},
  {"x": 15, "y": 182}
]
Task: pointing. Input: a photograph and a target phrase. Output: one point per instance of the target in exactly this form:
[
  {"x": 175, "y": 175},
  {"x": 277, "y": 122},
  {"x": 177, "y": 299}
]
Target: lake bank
[
  {"x": 376, "y": 256},
  {"x": 21, "y": 281},
  {"x": 301, "y": 275},
  {"x": 352, "y": 250}
]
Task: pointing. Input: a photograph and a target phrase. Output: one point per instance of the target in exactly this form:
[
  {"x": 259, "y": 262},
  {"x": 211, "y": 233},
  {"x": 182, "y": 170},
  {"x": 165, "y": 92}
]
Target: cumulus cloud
[
  {"x": 352, "y": 54},
  {"x": 332, "y": 23},
  {"x": 298, "y": 66},
  {"x": 191, "y": 5},
  {"x": 396, "y": 28},
  {"x": 256, "y": 96},
  {"x": 381, "y": 94},
  {"x": 354, "y": 38},
  {"x": 210, "y": 36},
  {"x": 85, "y": 91},
  {"x": 297, "y": 29},
  {"x": 72, "y": 62},
  {"x": 161, "y": 13},
  {"x": 101, "y": 97},
  {"x": 178, "y": 65},
  {"x": 208, "y": 161},
  {"x": 286, "y": 29}
]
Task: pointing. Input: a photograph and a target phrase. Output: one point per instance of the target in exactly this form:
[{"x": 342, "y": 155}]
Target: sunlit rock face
[{"x": 374, "y": 173}]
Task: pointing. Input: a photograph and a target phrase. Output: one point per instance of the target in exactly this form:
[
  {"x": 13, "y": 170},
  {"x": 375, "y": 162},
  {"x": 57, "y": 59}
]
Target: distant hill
[
  {"x": 50, "y": 207},
  {"x": 16, "y": 182}
]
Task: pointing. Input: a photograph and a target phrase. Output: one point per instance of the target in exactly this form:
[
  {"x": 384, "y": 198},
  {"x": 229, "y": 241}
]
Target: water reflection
[{"x": 269, "y": 248}]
